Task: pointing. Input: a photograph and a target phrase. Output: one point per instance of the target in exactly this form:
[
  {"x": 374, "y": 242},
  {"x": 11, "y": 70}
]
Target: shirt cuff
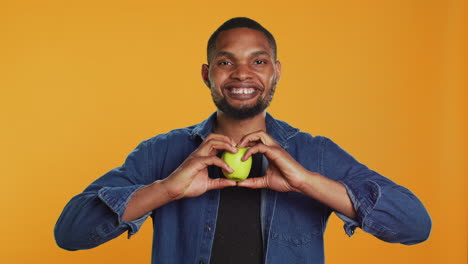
[
  {"x": 117, "y": 198},
  {"x": 364, "y": 198}
]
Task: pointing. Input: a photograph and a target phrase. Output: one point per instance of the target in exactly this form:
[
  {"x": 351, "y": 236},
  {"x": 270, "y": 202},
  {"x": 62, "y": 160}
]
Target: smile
[{"x": 242, "y": 90}]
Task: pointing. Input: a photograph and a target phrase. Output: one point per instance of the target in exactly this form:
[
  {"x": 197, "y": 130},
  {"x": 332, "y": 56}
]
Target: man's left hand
[{"x": 283, "y": 173}]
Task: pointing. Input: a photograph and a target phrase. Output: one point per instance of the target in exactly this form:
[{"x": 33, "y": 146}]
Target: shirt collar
[{"x": 279, "y": 130}]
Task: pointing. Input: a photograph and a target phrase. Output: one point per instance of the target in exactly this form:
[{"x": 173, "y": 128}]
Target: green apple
[{"x": 241, "y": 168}]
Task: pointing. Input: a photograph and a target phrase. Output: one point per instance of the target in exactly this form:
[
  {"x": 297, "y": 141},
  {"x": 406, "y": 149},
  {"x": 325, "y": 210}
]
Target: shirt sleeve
[
  {"x": 95, "y": 215},
  {"x": 384, "y": 209},
  {"x": 117, "y": 198}
]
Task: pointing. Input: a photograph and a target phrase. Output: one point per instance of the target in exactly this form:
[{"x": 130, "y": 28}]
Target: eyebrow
[
  {"x": 224, "y": 53},
  {"x": 261, "y": 52},
  {"x": 230, "y": 54}
]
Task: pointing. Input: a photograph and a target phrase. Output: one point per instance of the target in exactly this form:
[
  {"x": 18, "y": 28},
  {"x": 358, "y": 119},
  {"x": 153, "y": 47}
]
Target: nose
[{"x": 241, "y": 72}]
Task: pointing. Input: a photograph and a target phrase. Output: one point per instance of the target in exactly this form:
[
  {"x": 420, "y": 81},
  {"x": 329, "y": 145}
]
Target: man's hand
[
  {"x": 191, "y": 179},
  {"x": 283, "y": 173}
]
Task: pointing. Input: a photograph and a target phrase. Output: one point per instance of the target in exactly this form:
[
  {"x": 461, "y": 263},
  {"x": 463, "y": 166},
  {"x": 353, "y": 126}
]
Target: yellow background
[{"x": 83, "y": 82}]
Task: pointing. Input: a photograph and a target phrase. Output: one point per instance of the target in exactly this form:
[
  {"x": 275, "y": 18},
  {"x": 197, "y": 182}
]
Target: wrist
[
  {"x": 164, "y": 186},
  {"x": 304, "y": 182}
]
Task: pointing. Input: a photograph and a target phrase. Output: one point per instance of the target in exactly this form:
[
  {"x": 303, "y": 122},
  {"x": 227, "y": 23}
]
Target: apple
[{"x": 241, "y": 168}]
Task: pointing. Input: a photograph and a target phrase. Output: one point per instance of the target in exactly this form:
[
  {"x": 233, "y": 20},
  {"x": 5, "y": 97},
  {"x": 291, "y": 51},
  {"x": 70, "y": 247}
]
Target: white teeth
[{"x": 242, "y": 90}]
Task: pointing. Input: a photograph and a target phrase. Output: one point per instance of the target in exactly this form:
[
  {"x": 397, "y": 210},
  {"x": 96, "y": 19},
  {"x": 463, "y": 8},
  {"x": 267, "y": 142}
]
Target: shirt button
[{"x": 207, "y": 229}]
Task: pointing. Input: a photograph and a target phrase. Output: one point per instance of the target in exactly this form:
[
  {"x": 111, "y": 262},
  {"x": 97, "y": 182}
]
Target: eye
[
  {"x": 223, "y": 63},
  {"x": 259, "y": 62}
]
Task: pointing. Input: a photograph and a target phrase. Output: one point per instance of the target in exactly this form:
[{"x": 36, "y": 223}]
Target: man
[{"x": 277, "y": 215}]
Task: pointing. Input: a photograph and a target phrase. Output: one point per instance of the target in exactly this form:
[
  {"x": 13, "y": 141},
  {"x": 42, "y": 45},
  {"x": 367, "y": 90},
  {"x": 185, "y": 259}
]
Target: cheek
[
  {"x": 273, "y": 80},
  {"x": 216, "y": 78},
  {"x": 269, "y": 77}
]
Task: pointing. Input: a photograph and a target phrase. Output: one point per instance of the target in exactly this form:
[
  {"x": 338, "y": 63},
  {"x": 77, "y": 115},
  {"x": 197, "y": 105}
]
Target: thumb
[
  {"x": 220, "y": 183},
  {"x": 254, "y": 183}
]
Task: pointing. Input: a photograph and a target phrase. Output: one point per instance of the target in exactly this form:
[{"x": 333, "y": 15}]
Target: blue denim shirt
[{"x": 292, "y": 224}]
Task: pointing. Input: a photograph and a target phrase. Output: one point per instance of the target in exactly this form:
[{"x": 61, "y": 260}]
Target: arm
[
  {"x": 384, "y": 209},
  {"x": 327, "y": 191},
  {"x": 95, "y": 215},
  {"x": 123, "y": 198},
  {"x": 348, "y": 187}
]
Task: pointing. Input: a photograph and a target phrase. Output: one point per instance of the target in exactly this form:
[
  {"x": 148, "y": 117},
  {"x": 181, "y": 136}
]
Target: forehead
[{"x": 242, "y": 41}]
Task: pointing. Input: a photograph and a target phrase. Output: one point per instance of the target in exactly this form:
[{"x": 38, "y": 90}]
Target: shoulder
[
  {"x": 307, "y": 137},
  {"x": 305, "y": 141},
  {"x": 321, "y": 143},
  {"x": 179, "y": 135},
  {"x": 298, "y": 135},
  {"x": 288, "y": 136}
]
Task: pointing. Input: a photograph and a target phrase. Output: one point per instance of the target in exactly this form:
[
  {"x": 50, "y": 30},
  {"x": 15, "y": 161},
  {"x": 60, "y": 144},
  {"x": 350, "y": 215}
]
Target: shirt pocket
[{"x": 298, "y": 220}]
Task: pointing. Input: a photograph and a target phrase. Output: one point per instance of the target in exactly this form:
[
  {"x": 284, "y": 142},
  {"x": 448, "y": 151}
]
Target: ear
[
  {"x": 278, "y": 71},
  {"x": 205, "y": 70}
]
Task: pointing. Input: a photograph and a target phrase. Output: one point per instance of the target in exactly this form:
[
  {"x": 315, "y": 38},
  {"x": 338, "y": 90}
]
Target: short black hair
[{"x": 239, "y": 22}]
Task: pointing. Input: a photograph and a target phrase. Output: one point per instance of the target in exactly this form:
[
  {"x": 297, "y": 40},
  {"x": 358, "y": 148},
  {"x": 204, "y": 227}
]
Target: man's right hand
[{"x": 191, "y": 178}]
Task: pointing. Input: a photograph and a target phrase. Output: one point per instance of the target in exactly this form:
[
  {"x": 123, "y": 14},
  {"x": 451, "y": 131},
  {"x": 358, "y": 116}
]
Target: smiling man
[
  {"x": 243, "y": 71},
  {"x": 277, "y": 215}
]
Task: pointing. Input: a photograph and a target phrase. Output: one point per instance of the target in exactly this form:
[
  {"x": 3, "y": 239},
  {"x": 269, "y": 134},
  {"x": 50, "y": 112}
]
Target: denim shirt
[{"x": 292, "y": 224}]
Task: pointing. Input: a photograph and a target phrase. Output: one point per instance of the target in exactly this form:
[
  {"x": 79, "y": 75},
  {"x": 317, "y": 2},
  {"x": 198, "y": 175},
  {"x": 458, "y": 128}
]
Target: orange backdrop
[{"x": 83, "y": 82}]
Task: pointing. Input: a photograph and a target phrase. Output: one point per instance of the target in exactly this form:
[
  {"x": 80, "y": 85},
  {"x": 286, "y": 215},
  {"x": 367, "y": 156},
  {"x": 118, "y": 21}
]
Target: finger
[
  {"x": 219, "y": 137},
  {"x": 220, "y": 183},
  {"x": 258, "y": 148},
  {"x": 259, "y": 136},
  {"x": 254, "y": 183},
  {"x": 212, "y": 160},
  {"x": 214, "y": 146}
]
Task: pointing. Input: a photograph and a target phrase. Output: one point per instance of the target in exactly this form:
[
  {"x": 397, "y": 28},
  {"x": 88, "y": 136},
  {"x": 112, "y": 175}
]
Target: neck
[{"x": 237, "y": 129}]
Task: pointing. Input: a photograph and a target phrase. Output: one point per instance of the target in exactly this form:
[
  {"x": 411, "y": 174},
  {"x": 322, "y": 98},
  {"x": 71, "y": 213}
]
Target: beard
[{"x": 244, "y": 112}]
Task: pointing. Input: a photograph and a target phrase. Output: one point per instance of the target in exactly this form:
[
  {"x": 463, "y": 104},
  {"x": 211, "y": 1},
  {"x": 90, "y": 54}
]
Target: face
[{"x": 242, "y": 73}]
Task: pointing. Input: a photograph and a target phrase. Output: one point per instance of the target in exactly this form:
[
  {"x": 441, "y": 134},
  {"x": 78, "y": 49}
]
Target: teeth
[{"x": 242, "y": 90}]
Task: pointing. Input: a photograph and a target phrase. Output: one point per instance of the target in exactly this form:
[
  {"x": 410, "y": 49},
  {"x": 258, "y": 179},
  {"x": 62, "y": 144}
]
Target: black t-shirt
[{"x": 238, "y": 237}]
